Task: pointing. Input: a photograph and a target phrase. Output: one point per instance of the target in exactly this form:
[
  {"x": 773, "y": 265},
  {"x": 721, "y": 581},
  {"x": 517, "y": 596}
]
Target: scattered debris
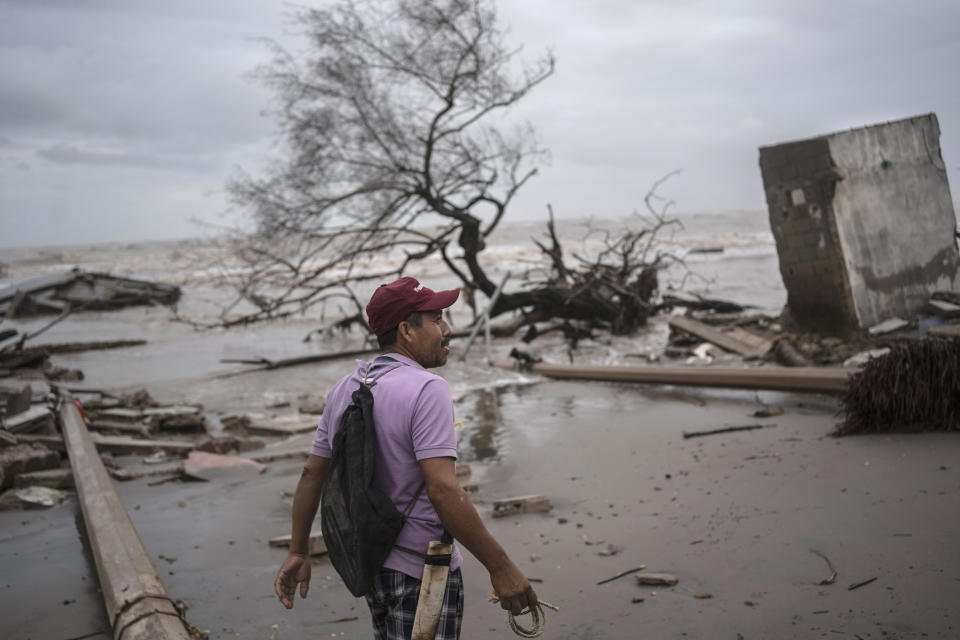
[
  {"x": 857, "y": 585},
  {"x": 281, "y": 426},
  {"x": 916, "y": 386},
  {"x": 768, "y": 412},
  {"x": 23, "y": 458},
  {"x": 78, "y": 347},
  {"x": 84, "y": 290},
  {"x": 31, "y": 498},
  {"x": 888, "y": 326},
  {"x": 521, "y": 504},
  {"x": 703, "y": 596},
  {"x": 14, "y": 401},
  {"x": 787, "y": 355},
  {"x": 36, "y": 418},
  {"x": 313, "y": 407},
  {"x": 946, "y": 310},
  {"x": 315, "y": 546},
  {"x": 610, "y": 550},
  {"x": 53, "y": 478},
  {"x": 230, "y": 444},
  {"x": 657, "y": 579},
  {"x": 126, "y": 445},
  {"x": 206, "y": 466},
  {"x": 862, "y": 358},
  {"x": 749, "y": 427},
  {"x": 833, "y": 576},
  {"x": 742, "y": 343}
]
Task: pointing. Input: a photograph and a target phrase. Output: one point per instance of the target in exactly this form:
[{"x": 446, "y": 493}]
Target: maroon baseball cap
[{"x": 391, "y": 303}]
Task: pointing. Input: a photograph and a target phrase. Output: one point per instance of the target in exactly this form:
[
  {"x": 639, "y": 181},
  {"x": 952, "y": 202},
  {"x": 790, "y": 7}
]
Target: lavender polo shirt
[{"x": 413, "y": 414}]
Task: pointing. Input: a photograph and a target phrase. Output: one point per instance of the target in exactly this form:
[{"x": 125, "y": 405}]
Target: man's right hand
[
  {"x": 295, "y": 570},
  {"x": 513, "y": 589}
]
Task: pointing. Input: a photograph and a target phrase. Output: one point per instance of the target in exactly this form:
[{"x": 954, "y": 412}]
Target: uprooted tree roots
[{"x": 914, "y": 387}]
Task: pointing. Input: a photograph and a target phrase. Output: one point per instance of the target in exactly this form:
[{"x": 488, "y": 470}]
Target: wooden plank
[
  {"x": 78, "y": 347},
  {"x": 717, "y": 337},
  {"x": 132, "y": 428},
  {"x": 182, "y": 410},
  {"x": 135, "y": 598},
  {"x": 129, "y": 415},
  {"x": 315, "y": 545},
  {"x": 805, "y": 379},
  {"x": 945, "y": 310},
  {"x": 946, "y": 330}
]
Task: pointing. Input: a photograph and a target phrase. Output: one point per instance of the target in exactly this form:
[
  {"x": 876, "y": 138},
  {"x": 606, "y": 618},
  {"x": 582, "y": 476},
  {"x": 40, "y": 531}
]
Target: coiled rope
[{"x": 537, "y": 617}]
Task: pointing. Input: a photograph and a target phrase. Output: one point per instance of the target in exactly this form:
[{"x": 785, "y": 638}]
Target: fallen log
[
  {"x": 804, "y": 379},
  {"x": 77, "y": 347},
  {"x": 137, "y": 603}
]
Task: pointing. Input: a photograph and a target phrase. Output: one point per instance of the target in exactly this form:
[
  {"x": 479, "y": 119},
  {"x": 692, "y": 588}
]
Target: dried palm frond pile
[{"x": 915, "y": 387}]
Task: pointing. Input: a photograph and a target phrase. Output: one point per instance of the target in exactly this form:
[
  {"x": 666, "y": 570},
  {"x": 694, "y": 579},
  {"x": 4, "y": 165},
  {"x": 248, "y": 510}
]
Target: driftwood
[
  {"x": 623, "y": 573},
  {"x": 77, "y": 347},
  {"x": 805, "y": 379},
  {"x": 753, "y": 348}
]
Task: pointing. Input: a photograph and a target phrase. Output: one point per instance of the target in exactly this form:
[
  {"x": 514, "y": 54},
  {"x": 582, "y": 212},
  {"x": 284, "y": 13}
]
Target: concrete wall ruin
[{"x": 864, "y": 223}]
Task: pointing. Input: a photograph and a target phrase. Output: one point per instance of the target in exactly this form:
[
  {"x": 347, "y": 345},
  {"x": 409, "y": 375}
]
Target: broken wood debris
[
  {"x": 521, "y": 504},
  {"x": 657, "y": 579},
  {"x": 33, "y": 497},
  {"x": 79, "y": 289},
  {"x": 78, "y": 347},
  {"x": 857, "y": 585},
  {"x": 749, "y": 427},
  {"x": 623, "y": 573},
  {"x": 315, "y": 545},
  {"x": 281, "y": 426},
  {"x": 743, "y": 342}
]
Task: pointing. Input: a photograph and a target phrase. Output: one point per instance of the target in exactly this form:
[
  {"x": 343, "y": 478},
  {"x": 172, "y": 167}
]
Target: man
[{"x": 413, "y": 413}]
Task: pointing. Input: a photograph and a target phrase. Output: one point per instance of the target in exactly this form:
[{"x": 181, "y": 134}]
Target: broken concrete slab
[
  {"x": 31, "y": 498},
  {"x": 887, "y": 326},
  {"x": 315, "y": 545},
  {"x": 179, "y": 422},
  {"x": 208, "y": 466},
  {"x": 946, "y": 310},
  {"x": 230, "y": 444},
  {"x": 521, "y": 504},
  {"x": 862, "y": 358},
  {"x": 125, "y": 445},
  {"x": 281, "y": 426},
  {"x": 15, "y": 400},
  {"x": 863, "y": 221},
  {"x": 174, "y": 410},
  {"x": 313, "y": 407},
  {"x": 22, "y": 458},
  {"x": 61, "y": 478},
  {"x": 124, "y": 473},
  {"x": 35, "y": 418},
  {"x": 118, "y": 426},
  {"x": 120, "y": 413}
]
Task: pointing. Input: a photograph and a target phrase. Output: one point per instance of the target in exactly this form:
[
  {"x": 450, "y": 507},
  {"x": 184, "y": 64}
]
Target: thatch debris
[{"x": 915, "y": 387}]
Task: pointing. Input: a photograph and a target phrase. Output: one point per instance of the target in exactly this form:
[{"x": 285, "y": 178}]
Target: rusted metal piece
[{"x": 136, "y": 601}]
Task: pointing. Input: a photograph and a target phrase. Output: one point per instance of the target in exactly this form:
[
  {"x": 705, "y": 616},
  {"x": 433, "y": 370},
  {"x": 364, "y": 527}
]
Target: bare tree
[
  {"x": 393, "y": 155},
  {"x": 387, "y": 125}
]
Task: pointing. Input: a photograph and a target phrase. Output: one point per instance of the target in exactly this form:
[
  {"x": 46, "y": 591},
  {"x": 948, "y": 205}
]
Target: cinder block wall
[
  {"x": 799, "y": 180},
  {"x": 863, "y": 221}
]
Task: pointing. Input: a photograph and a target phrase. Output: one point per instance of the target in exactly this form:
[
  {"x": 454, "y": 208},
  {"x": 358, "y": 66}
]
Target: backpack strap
[{"x": 368, "y": 382}]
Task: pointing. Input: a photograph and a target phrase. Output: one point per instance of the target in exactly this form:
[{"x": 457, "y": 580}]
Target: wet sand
[{"x": 733, "y": 515}]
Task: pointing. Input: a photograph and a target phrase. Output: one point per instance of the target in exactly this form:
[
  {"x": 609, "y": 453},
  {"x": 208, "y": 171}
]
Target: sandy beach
[
  {"x": 737, "y": 516},
  {"x": 733, "y": 515}
]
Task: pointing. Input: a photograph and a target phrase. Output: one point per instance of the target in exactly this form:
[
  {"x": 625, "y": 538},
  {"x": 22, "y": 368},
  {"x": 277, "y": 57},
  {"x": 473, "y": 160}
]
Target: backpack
[{"x": 359, "y": 522}]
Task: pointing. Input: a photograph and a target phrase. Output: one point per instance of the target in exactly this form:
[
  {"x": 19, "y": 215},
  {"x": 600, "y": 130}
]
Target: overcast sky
[{"x": 121, "y": 120}]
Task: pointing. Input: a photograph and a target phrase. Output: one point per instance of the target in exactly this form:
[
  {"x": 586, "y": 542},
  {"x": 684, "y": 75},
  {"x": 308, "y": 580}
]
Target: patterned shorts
[{"x": 393, "y": 605}]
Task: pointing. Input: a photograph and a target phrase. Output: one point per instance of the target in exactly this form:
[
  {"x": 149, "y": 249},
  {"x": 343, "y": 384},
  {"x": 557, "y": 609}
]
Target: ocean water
[{"x": 185, "y": 363}]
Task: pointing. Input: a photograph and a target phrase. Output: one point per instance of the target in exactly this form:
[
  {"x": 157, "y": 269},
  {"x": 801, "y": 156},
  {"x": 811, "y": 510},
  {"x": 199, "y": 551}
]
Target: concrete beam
[{"x": 136, "y": 601}]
